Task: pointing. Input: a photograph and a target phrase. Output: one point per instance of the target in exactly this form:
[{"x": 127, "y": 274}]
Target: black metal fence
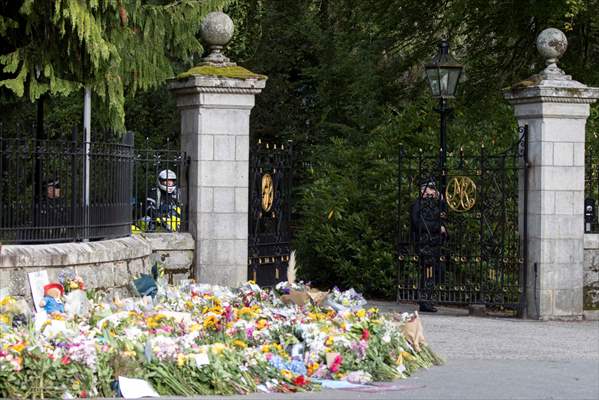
[
  {"x": 591, "y": 216},
  {"x": 459, "y": 240},
  {"x": 45, "y": 196}
]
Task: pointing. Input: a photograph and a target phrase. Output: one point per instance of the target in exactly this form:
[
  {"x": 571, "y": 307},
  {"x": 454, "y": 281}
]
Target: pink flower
[
  {"x": 249, "y": 332},
  {"x": 336, "y": 363}
]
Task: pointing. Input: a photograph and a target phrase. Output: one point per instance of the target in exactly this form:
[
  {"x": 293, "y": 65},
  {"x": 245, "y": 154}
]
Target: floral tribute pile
[{"x": 197, "y": 339}]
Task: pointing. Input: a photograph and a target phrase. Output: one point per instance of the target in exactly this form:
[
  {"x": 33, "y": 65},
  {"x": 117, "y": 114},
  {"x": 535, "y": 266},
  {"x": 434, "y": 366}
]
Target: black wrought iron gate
[
  {"x": 459, "y": 236},
  {"x": 269, "y": 212}
]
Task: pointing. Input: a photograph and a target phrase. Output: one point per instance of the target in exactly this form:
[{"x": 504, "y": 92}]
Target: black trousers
[{"x": 432, "y": 269}]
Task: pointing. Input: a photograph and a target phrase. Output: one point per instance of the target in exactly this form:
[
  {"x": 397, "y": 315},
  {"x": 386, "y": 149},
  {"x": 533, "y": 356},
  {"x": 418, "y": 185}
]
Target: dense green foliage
[
  {"x": 113, "y": 47},
  {"x": 346, "y": 84}
]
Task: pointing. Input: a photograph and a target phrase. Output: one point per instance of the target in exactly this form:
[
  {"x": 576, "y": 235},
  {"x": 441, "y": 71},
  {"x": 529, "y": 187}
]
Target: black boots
[{"x": 427, "y": 307}]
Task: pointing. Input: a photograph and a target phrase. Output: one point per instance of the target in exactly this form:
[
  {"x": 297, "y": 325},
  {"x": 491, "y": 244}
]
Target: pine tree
[{"x": 116, "y": 47}]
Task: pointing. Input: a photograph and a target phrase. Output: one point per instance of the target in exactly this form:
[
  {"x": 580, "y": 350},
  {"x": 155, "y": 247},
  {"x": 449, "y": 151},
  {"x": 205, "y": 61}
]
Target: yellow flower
[
  {"x": 330, "y": 340},
  {"x": 154, "y": 321},
  {"x": 18, "y": 347},
  {"x": 181, "y": 359},
  {"x": 361, "y": 313},
  {"x": 218, "y": 348},
  {"x": 313, "y": 367},
  {"x": 266, "y": 348},
  {"x": 188, "y": 305},
  {"x": 195, "y": 327},
  {"x": 57, "y": 316},
  {"x": 211, "y": 322},
  {"x": 278, "y": 348},
  {"x": 4, "y": 319},
  {"x": 6, "y": 300},
  {"x": 129, "y": 353},
  {"x": 245, "y": 311},
  {"x": 239, "y": 343},
  {"x": 73, "y": 285},
  {"x": 373, "y": 310},
  {"x": 261, "y": 324},
  {"x": 216, "y": 310},
  {"x": 406, "y": 355},
  {"x": 287, "y": 374}
]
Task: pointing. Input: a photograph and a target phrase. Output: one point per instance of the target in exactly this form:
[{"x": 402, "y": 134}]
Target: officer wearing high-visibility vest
[{"x": 163, "y": 205}]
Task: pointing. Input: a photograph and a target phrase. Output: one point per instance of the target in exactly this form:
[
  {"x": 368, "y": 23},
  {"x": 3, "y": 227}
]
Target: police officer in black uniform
[{"x": 428, "y": 214}]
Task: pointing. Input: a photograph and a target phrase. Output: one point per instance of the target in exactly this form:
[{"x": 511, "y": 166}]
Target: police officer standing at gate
[{"x": 427, "y": 215}]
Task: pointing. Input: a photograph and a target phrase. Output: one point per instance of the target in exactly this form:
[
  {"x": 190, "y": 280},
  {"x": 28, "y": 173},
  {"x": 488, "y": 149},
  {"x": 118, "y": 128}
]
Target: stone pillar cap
[{"x": 552, "y": 83}]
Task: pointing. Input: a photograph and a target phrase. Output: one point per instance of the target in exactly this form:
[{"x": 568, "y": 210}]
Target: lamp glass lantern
[{"x": 443, "y": 73}]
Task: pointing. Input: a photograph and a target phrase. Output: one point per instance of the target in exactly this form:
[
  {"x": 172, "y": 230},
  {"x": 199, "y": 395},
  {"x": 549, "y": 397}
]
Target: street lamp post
[{"x": 443, "y": 74}]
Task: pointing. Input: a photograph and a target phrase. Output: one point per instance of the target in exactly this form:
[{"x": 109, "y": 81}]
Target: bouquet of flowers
[
  {"x": 70, "y": 281},
  {"x": 348, "y": 300},
  {"x": 283, "y": 288},
  {"x": 198, "y": 339}
]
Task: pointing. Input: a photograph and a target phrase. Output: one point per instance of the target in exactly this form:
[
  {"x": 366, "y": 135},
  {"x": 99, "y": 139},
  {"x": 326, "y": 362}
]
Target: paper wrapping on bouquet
[
  {"x": 414, "y": 332},
  {"x": 51, "y": 328},
  {"x": 76, "y": 303},
  {"x": 318, "y": 297},
  {"x": 356, "y": 304},
  {"x": 297, "y": 297},
  {"x": 301, "y": 297},
  {"x": 15, "y": 312}
]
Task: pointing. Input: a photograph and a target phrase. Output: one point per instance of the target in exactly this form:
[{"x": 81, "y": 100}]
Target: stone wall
[
  {"x": 591, "y": 276},
  {"x": 175, "y": 251},
  {"x": 108, "y": 265}
]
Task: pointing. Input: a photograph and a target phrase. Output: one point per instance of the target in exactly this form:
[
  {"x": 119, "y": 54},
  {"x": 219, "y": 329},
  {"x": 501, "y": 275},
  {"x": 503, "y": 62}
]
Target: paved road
[{"x": 494, "y": 358}]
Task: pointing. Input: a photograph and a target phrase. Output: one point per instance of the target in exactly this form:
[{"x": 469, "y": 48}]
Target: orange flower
[{"x": 261, "y": 324}]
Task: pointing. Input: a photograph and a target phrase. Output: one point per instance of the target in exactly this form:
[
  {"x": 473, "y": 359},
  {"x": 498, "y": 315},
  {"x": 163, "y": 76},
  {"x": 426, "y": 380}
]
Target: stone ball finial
[
  {"x": 216, "y": 30},
  {"x": 552, "y": 44}
]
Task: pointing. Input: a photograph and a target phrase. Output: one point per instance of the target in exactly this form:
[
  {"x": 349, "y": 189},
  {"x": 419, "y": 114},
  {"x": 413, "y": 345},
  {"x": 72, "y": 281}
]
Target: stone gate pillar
[
  {"x": 555, "y": 108},
  {"x": 215, "y": 99}
]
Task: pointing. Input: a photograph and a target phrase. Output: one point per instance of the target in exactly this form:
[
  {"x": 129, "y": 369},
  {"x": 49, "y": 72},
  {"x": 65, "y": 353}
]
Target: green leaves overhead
[{"x": 115, "y": 47}]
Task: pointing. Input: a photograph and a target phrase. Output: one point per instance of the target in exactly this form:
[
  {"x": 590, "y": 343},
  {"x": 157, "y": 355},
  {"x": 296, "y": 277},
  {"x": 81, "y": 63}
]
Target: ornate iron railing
[
  {"x": 591, "y": 216},
  {"x": 269, "y": 212},
  {"x": 44, "y": 197},
  {"x": 459, "y": 240}
]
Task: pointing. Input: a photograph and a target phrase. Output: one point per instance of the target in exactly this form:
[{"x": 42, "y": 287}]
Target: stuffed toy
[{"x": 52, "y": 301}]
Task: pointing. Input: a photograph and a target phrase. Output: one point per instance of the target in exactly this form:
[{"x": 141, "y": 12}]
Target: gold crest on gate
[
  {"x": 267, "y": 192},
  {"x": 461, "y": 193}
]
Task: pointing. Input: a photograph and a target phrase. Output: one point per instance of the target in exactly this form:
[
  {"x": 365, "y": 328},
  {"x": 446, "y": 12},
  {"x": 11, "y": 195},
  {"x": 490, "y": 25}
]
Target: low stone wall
[
  {"x": 108, "y": 265},
  {"x": 591, "y": 276},
  {"x": 175, "y": 251}
]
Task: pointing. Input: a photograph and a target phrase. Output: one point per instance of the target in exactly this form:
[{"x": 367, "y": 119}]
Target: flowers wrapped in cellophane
[{"x": 198, "y": 339}]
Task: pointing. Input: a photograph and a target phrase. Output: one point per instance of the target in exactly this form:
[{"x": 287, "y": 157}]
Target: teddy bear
[{"x": 52, "y": 301}]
